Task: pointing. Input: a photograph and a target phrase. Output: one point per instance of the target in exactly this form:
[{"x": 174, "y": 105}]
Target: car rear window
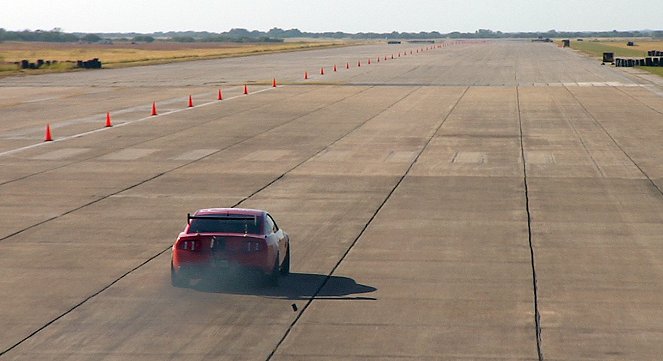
[{"x": 216, "y": 224}]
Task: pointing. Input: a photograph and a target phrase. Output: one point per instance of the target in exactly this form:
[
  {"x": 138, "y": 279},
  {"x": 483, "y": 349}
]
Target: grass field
[
  {"x": 658, "y": 70},
  {"x": 123, "y": 54},
  {"x": 596, "y": 49}
]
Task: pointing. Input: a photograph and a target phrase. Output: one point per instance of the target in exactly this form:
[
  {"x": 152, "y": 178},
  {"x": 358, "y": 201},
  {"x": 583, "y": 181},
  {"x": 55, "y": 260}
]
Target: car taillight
[{"x": 190, "y": 245}]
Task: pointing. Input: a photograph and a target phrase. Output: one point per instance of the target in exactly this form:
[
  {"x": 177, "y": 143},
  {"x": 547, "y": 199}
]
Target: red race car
[{"x": 218, "y": 240}]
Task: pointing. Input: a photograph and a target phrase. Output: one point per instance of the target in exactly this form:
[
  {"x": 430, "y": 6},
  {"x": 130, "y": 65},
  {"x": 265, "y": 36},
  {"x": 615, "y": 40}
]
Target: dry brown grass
[
  {"x": 122, "y": 54},
  {"x": 642, "y": 45},
  {"x": 596, "y": 47}
]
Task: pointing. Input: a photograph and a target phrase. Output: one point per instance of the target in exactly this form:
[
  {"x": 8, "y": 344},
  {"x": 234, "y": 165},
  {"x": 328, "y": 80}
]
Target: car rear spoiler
[{"x": 234, "y": 217}]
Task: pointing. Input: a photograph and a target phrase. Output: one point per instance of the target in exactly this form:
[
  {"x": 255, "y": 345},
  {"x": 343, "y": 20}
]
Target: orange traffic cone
[
  {"x": 347, "y": 65},
  {"x": 334, "y": 67},
  {"x": 190, "y": 102},
  {"x": 154, "y": 108},
  {"x": 322, "y": 71},
  {"x": 108, "y": 120},
  {"x": 220, "y": 96},
  {"x": 246, "y": 89},
  {"x": 378, "y": 59},
  {"x": 305, "y": 75},
  {"x": 48, "y": 137},
  {"x": 369, "y": 61},
  {"x": 274, "y": 83},
  {"x": 359, "y": 63}
]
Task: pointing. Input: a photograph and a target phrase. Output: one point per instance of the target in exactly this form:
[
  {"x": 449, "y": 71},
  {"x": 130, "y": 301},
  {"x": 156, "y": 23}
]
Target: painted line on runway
[{"x": 79, "y": 135}]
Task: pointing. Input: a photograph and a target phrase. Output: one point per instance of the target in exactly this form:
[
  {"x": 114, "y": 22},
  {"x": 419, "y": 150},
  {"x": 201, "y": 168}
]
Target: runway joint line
[
  {"x": 619, "y": 146},
  {"x": 124, "y": 124},
  {"x": 366, "y": 225},
  {"x": 537, "y": 314},
  {"x": 104, "y": 288}
]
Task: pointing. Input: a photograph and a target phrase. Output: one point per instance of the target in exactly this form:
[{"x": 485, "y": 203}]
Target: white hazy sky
[{"x": 331, "y": 15}]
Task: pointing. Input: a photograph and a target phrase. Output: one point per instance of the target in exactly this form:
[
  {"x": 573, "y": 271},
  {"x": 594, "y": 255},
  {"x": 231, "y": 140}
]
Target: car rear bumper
[
  {"x": 212, "y": 267},
  {"x": 210, "y": 262}
]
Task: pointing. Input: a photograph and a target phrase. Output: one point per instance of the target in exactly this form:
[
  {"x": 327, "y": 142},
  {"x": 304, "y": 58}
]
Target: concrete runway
[{"x": 493, "y": 201}]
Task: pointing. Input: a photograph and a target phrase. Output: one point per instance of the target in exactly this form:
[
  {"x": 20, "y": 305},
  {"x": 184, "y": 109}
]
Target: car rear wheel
[
  {"x": 176, "y": 280},
  {"x": 285, "y": 268}
]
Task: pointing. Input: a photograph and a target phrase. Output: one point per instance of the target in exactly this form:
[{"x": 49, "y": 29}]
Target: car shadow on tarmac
[{"x": 295, "y": 286}]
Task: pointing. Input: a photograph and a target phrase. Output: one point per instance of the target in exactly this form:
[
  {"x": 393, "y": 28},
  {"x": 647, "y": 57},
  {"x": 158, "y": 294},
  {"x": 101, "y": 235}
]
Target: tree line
[{"x": 278, "y": 35}]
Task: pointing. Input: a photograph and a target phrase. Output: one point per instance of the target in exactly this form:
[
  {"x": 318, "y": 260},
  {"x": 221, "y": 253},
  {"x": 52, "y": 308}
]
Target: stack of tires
[
  {"x": 26, "y": 64},
  {"x": 654, "y": 58},
  {"x": 89, "y": 64}
]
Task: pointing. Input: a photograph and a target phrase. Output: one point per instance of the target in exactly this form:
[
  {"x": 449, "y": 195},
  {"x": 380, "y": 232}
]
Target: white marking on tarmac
[
  {"x": 400, "y": 156},
  {"x": 654, "y": 89},
  {"x": 597, "y": 84},
  {"x": 266, "y": 155},
  {"x": 535, "y": 157},
  {"x": 61, "y": 153},
  {"x": 332, "y": 155},
  {"x": 39, "y": 100},
  {"x": 196, "y": 154},
  {"x": 74, "y": 136},
  {"x": 469, "y": 157},
  {"x": 129, "y": 154}
]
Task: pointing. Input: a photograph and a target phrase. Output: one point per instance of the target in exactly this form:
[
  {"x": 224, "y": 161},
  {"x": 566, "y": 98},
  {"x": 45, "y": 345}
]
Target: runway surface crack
[
  {"x": 162, "y": 173},
  {"x": 276, "y": 179},
  {"x": 365, "y": 227},
  {"x": 619, "y": 146},
  {"x": 169, "y": 171},
  {"x": 576, "y": 132},
  {"x": 247, "y": 111},
  {"x": 537, "y": 315}
]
